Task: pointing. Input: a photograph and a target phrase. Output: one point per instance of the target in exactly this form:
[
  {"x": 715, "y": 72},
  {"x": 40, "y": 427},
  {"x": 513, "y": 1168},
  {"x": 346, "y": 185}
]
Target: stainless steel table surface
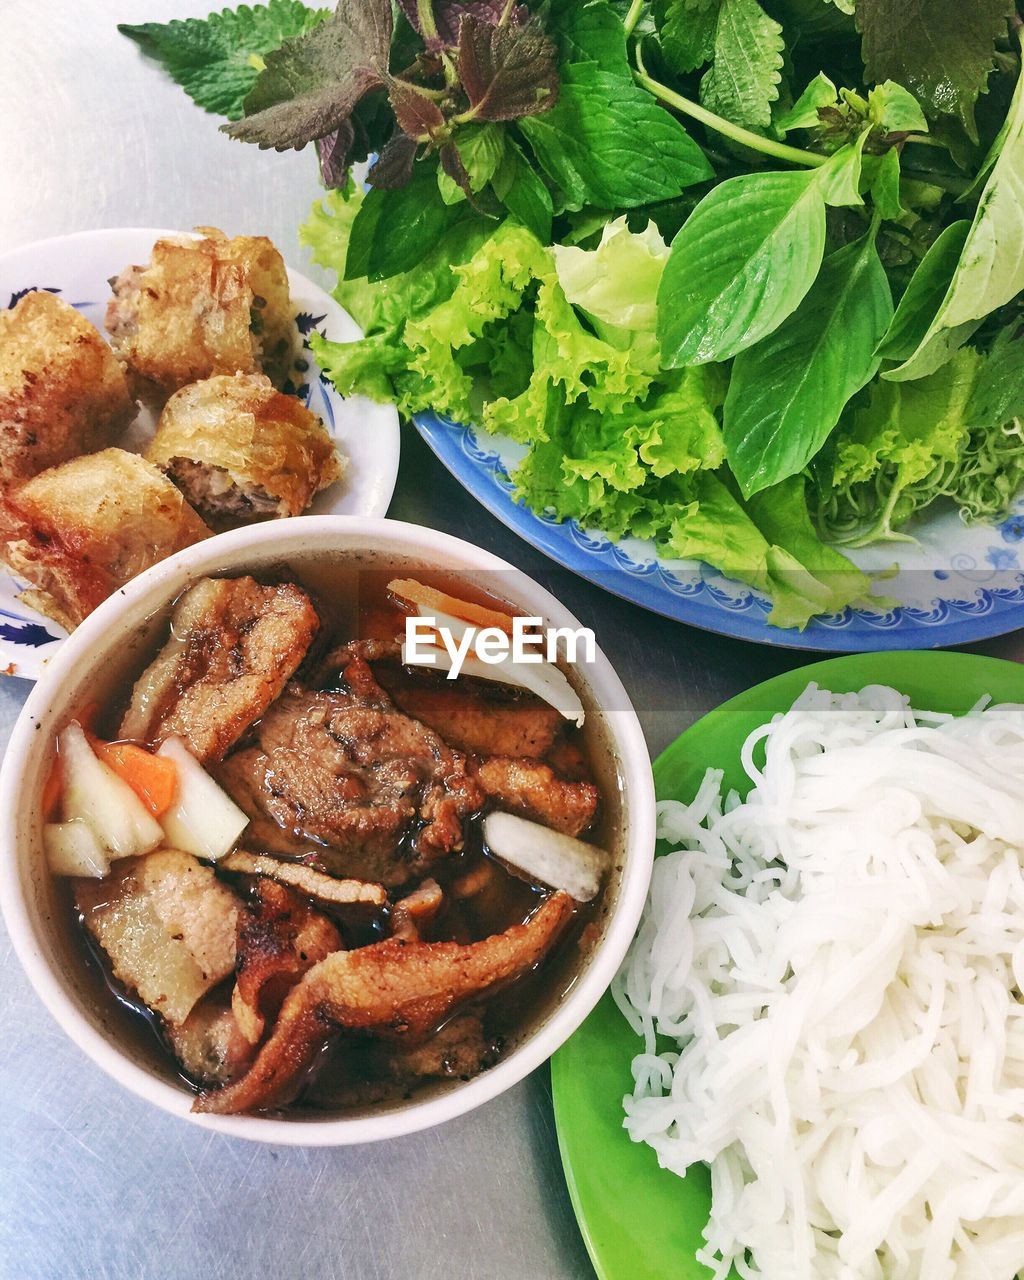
[{"x": 93, "y": 1182}]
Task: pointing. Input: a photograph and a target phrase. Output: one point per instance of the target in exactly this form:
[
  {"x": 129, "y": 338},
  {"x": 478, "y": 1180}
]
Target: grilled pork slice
[
  {"x": 534, "y": 790},
  {"x": 241, "y": 451},
  {"x": 403, "y": 988},
  {"x": 78, "y": 532},
  {"x": 233, "y": 646},
  {"x": 62, "y": 392},
  {"x": 482, "y": 723},
  {"x": 346, "y": 776},
  {"x": 203, "y": 307},
  {"x": 280, "y": 937},
  {"x": 168, "y": 926}
]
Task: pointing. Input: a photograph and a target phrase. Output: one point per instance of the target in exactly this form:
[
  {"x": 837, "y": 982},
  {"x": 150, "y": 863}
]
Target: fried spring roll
[
  {"x": 203, "y": 307},
  {"x": 79, "y": 531},
  {"x": 62, "y": 392},
  {"x": 240, "y": 451}
]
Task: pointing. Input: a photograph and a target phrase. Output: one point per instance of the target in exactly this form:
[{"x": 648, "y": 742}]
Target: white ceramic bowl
[{"x": 117, "y": 638}]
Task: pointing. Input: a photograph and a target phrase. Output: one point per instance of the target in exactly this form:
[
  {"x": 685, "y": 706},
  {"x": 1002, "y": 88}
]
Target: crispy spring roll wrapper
[
  {"x": 240, "y": 450},
  {"x": 79, "y": 531},
  {"x": 398, "y": 987},
  {"x": 203, "y": 307},
  {"x": 62, "y": 392}
]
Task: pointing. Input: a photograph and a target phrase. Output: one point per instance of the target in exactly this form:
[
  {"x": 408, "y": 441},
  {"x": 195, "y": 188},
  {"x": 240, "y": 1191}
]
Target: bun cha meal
[
  {"x": 205, "y": 337},
  {"x": 322, "y": 877}
]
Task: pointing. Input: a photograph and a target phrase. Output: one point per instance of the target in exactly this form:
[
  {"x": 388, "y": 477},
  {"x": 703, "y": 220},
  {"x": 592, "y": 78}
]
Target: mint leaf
[
  {"x": 608, "y": 143},
  {"x": 740, "y": 265},
  {"x": 312, "y": 83},
  {"x": 744, "y": 78},
  {"x": 216, "y": 60},
  {"x": 593, "y": 33},
  {"x": 942, "y": 50},
  {"x": 786, "y": 394},
  {"x": 998, "y": 395},
  {"x": 507, "y": 72},
  {"x": 991, "y": 267},
  {"x": 687, "y": 31}
]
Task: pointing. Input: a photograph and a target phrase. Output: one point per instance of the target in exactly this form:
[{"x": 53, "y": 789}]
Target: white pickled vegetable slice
[
  {"x": 554, "y": 859},
  {"x": 95, "y": 795},
  {"x": 203, "y": 820},
  {"x": 73, "y": 849},
  {"x": 544, "y": 679}
]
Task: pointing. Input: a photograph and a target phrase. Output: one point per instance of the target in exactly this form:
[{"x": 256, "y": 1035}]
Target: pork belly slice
[
  {"x": 239, "y": 450},
  {"x": 403, "y": 988},
  {"x": 78, "y": 532},
  {"x": 203, "y": 307},
  {"x": 234, "y": 644},
  {"x": 280, "y": 937},
  {"x": 535, "y": 791},
  {"x": 346, "y": 777},
  {"x": 168, "y": 926},
  {"x": 62, "y": 392},
  {"x": 307, "y": 880}
]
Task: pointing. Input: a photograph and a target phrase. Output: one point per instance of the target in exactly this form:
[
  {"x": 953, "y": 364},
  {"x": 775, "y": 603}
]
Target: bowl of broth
[{"x": 281, "y": 880}]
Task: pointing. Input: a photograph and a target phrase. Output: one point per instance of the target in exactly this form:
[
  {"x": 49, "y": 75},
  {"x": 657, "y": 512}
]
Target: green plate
[{"x": 639, "y": 1221}]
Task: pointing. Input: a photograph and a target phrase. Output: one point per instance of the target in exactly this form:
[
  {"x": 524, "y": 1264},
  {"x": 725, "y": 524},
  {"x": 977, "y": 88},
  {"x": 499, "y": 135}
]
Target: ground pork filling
[{"x": 217, "y": 496}]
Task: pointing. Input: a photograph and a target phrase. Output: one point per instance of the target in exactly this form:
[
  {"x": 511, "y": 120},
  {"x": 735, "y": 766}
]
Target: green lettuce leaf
[
  {"x": 899, "y": 451},
  {"x": 216, "y": 60},
  {"x": 618, "y": 281}
]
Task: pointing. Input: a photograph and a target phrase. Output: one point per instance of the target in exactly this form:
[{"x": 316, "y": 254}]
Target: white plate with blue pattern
[
  {"x": 954, "y": 585},
  {"x": 78, "y": 268}
]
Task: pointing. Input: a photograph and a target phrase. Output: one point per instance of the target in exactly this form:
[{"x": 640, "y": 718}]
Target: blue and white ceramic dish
[
  {"x": 954, "y": 585},
  {"x": 78, "y": 267}
]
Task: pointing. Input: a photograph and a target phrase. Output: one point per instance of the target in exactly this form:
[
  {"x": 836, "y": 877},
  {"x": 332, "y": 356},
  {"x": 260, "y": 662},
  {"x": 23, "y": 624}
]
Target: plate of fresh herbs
[{"x": 718, "y": 302}]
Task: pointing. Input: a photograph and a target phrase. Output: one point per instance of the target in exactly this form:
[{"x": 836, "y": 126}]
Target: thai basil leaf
[
  {"x": 607, "y": 142},
  {"x": 786, "y": 394},
  {"x": 924, "y": 293},
  {"x": 839, "y": 177},
  {"x": 740, "y": 265},
  {"x": 395, "y": 230},
  {"x": 885, "y": 184},
  {"x": 991, "y": 267},
  {"x": 803, "y": 114},
  {"x": 520, "y": 189}
]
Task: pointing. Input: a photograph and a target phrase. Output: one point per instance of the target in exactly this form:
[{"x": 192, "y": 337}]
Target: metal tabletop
[{"x": 95, "y": 1183}]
